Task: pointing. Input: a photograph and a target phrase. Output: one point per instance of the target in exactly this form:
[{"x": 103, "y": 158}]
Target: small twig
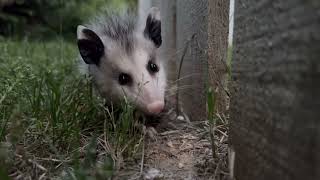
[
  {"x": 216, "y": 170},
  {"x": 223, "y": 133},
  {"x": 169, "y": 132},
  {"x": 221, "y": 119},
  {"x": 142, "y": 156},
  {"x": 60, "y": 164},
  {"x": 106, "y": 143},
  {"x": 42, "y": 176},
  {"x": 38, "y": 165},
  {"x": 222, "y": 139},
  {"x": 125, "y": 146},
  {"x": 213, "y": 146},
  {"x": 53, "y": 160}
]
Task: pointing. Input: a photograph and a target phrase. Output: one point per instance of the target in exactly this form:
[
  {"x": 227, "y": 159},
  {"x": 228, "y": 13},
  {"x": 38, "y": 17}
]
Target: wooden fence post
[
  {"x": 169, "y": 48},
  {"x": 275, "y": 104},
  {"x": 218, "y": 26},
  {"x": 206, "y": 56},
  {"x": 192, "y": 17}
]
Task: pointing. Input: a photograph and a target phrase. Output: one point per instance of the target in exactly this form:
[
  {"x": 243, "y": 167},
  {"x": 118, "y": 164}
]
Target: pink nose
[{"x": 155, "y": 107}]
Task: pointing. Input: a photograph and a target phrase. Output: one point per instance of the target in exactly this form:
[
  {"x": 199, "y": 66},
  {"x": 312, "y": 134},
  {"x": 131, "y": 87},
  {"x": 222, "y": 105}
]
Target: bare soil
[{"x": 181, "y": 150}]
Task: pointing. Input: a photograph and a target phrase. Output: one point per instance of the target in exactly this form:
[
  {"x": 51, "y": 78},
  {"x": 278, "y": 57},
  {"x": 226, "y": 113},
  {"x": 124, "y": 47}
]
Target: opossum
[{"x": 122, "y": 57}]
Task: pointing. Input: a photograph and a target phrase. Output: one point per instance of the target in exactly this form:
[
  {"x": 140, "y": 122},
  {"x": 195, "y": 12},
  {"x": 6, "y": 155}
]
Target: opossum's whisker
[
  {"x": 184, "y": 77},
  {"x": 172, "y": 55},
  {"x": 180, "y": 87},
  {"x": 174, "y": 94}
]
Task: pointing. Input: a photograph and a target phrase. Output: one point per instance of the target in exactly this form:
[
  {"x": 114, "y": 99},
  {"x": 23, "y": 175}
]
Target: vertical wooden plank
[
  {"x": 275, "y": 105},
  {"x": 157, "y": 3},
  {"x": 218, "y": 25},
  {"x": 143, "y": 9},
  {"x": 192, "y": 16},
  {"x": 168, "y": 49},
  {"x": 145, "y": 5}
]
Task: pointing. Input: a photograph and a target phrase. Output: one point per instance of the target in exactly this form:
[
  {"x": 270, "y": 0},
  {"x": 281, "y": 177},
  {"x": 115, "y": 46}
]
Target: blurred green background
[{"x": 47, "y": 19}]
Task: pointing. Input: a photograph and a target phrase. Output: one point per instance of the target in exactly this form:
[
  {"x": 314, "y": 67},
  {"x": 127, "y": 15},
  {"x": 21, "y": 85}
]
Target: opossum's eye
[
  {"x": 124, "y": 79},
  {"x": 152, "y": 67}
]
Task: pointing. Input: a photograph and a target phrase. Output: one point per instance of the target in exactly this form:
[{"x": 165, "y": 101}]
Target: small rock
[
  {"x": 170, "y": 144},
  {"x": 180, "y": 118},
  {"x": 180, "y": 165},
  {"x": 153, "y": 174}
]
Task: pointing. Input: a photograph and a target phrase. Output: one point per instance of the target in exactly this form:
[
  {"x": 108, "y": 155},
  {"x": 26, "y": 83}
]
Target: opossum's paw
[{"x": 150, "y": 132}]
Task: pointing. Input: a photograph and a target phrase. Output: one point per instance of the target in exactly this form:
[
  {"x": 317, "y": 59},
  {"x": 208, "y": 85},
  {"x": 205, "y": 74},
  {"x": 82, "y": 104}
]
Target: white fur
[{"x": 80, "y": 34}]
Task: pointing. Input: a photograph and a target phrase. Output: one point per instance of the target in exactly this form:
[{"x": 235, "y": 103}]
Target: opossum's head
[{"x": 124, "y": 62}]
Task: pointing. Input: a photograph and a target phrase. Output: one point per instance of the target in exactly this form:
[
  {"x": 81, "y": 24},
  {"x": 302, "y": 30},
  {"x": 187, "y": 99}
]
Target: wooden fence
[
  {"x": 275, "y": 105},
  {"x": 189, "y": 33},
  {"x": 275, "y": 90}
]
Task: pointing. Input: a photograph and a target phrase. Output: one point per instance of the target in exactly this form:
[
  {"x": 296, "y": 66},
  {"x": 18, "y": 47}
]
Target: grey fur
[{"x": 117, "y": 25}]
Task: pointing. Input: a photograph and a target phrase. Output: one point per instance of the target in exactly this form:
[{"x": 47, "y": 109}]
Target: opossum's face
[{"x": 127, "y": 67}]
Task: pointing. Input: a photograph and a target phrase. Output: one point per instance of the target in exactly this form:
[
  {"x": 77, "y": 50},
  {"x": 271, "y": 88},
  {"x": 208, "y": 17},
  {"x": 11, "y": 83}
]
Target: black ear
[
  {"x": 153, "y": 27},
  {"x": 90, "y": 45}
]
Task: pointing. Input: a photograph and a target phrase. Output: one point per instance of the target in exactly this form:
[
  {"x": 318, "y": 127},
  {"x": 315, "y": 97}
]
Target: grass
[{"x": 51, "y": 122}]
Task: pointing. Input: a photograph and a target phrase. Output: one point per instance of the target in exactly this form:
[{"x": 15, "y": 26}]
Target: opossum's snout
[
  {"x": 150, "y": 90},
  {"x": 151, "y": 95},
  {"x": 156, "y": 107}
]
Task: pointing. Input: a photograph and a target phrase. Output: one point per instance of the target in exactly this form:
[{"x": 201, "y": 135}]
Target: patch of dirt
[{"x": 182, "y": 150}]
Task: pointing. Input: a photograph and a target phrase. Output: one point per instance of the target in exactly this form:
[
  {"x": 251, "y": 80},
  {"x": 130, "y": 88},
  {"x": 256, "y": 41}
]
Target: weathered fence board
[
  {"x": 218, "y": 25},
  {"x": 169, "y": 48},
  {"x": 192, "y": 19},
  {"x": 143, "y": 9},
  {"x": 275, "y": 106}
]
